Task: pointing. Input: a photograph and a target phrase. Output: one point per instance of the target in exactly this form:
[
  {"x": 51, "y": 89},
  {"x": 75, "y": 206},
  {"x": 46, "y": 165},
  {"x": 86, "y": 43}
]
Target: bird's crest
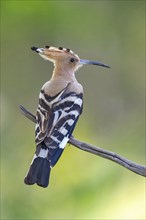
[
  {"x": 59, "y": 49},
  {"x": 55, "y": 53}
]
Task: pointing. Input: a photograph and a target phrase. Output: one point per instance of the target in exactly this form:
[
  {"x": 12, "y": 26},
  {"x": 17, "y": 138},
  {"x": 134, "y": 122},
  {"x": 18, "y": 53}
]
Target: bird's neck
[{"x": 62, "y": 73}]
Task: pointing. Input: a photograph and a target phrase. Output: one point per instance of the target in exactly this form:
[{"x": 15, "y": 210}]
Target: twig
[{"x": 137, "y": 168}]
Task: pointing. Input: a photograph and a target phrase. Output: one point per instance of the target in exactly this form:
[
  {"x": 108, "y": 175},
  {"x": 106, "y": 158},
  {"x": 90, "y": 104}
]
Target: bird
[{"x": 59, "y": 108}]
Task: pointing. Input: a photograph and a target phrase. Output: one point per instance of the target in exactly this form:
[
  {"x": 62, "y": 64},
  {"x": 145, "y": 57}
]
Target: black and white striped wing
[{"x": 56, "y": 118}]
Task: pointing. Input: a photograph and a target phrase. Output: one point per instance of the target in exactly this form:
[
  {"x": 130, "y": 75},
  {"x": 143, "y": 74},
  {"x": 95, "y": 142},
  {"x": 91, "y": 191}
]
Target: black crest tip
[{"x": 34, "y": 48}]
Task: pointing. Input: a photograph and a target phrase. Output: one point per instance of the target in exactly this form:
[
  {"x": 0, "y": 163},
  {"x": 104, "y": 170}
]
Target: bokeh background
[{"x": 82, "y": 186}]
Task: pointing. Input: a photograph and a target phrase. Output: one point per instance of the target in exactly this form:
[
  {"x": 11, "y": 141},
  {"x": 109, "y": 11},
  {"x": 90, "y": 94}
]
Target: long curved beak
[{"x": 94, "y": 63}]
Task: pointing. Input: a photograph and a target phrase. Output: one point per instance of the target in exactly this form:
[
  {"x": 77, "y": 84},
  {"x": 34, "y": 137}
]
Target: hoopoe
[{"x": 60, "y": 105}]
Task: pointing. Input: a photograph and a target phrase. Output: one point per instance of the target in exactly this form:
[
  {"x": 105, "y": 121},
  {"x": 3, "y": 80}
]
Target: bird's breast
[{"x": 53, "y": 87}]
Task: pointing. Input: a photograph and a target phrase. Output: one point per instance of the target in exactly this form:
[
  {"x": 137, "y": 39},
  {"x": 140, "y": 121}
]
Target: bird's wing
[
  {"x": 45, "y": 115},
  {"x": 56, "y": 119}
]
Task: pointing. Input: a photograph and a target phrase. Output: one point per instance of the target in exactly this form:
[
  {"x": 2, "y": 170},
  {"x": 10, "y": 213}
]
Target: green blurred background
[{"x": 82, "y": 186}]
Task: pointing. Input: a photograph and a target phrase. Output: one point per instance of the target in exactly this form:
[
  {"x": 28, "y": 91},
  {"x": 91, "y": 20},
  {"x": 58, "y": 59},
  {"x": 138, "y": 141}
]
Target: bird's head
[{"x": 64, "y": 58}]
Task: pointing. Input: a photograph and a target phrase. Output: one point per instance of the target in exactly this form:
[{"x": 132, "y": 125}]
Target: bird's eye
[{"x": 72, "y": 60}]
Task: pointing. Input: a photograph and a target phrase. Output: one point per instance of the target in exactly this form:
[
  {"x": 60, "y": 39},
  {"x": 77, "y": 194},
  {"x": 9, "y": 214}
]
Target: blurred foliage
[{"x": 82, "y": 186}]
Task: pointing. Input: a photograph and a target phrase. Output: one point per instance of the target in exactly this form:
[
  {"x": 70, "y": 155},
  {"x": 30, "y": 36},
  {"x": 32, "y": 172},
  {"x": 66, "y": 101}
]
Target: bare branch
[
  {"x": 137, "y": 168},
  {"x": 28, "y": 114}
]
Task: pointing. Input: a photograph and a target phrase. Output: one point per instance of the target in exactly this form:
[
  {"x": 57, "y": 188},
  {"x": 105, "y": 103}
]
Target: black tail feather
[
  {"x": 56, "y": 156},
  {"x": 39, "y": 172},
  {"x": 44, "y": 173}
]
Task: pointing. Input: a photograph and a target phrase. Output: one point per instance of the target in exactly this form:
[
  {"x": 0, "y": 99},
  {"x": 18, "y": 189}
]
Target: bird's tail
[{"x": 39, "y": 171}]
